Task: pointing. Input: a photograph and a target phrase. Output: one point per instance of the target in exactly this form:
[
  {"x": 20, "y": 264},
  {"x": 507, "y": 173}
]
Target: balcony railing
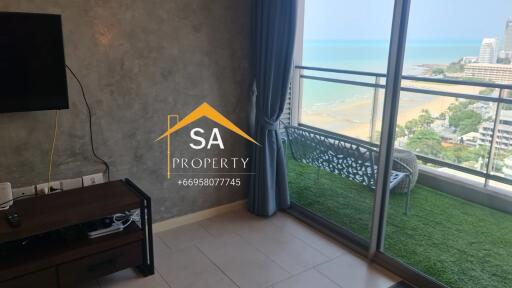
[{"x": 501, "y": 100}]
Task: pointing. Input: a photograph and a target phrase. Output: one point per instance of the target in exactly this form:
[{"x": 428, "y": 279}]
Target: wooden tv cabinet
[{"x": 50, "y": 258}]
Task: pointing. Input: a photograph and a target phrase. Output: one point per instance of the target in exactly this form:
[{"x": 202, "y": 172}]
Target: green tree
[
  {"x": 437, "y": 71},
  {"x": 499, "y": 156},
  {"x": 426, "y": 142},
  {"x": 482, "y": 151},
  {"x": 455, "y": 67},
  {"x": 411, "y": 126},
  {"x": 425, "y": 119},
  {"x": 460, "y": 153},
  {"x": 463, "y": 119},
  {"x": 400, "y": 131},
  {"x": 461, "y": 105}
]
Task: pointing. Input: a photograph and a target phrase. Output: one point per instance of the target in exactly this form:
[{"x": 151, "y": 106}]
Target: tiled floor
[{"x": 240, "y": 250}]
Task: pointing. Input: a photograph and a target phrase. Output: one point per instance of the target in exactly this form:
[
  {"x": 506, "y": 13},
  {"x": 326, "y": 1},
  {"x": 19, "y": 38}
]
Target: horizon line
[{"x": 409, "y": 39}]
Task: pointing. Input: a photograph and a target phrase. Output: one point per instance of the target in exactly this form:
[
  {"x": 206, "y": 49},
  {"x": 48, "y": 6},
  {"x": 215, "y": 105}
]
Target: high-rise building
[
  {"x": 507, "y": 37},
  {"x": 488, "y": 51},
  {"x": 504, "y": 137}
]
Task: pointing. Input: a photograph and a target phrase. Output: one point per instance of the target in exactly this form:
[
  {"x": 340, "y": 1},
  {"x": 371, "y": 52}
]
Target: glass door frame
[
  {"x": 387, "y": 143},
  {"x": 374, "y": 249},
  {"x": 389, "y": 122}
]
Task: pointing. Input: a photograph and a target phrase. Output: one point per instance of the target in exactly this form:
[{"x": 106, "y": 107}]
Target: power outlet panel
[
  {"x": 93, "y": 179},
  {"x": 42, "y": 189},
  {"x": 24, "y": 191},
  {"x": 69, "y": 184}
]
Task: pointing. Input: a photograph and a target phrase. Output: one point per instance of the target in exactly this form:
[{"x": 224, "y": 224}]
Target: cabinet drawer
[
  {"x": 41, "y": 279},
  {"x": 100, "y": 264}
]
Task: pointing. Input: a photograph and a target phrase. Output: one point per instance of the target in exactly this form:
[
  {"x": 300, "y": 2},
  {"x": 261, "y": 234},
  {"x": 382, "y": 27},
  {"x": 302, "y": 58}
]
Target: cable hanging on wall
[
  {"x": 55, "y": 129},
  {"x": 107, "y": 167}
]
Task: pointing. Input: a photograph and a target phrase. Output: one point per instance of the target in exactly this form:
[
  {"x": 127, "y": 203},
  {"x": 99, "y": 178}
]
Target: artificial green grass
[{"x": 457, "y": 242}]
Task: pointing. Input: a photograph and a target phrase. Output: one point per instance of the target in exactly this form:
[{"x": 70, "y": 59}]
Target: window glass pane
[
  {"x": 455, "y": 231},
  {"x": 332, "y": 166}
]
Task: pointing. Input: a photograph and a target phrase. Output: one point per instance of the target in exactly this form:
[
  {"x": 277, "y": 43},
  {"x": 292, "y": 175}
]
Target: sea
[{"x": 370, "y": 56}]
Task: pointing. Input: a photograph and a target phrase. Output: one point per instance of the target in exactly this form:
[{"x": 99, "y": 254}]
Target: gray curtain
[{"x": 272, "y": 41}]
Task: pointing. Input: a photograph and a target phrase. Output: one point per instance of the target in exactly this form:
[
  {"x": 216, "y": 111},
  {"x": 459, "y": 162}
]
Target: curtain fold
[{"x": 272, "y": 41}]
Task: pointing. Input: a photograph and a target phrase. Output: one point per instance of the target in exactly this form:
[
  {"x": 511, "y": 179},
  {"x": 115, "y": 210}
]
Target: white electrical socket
[
  {"x": 93, "y": 179},
  {"x": 69, "y": 184},
  {"x": 5, "y": 195},
  {"x": 24, "y": 191},
  {"x": 42, "y": 189}
]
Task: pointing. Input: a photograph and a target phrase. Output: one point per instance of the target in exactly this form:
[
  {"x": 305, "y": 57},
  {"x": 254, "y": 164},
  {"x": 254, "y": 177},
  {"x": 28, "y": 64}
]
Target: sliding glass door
[
  {"x": 453, "y": 117},
  {"x": 399, "y": 138},
  {"x": 333, "y": 149}
]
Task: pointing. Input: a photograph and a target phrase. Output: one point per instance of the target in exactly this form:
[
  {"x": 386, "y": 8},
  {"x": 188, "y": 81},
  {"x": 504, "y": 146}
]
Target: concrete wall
[
  {"x": 470, "y": 190},
  {"x": 139, "y": 61}
]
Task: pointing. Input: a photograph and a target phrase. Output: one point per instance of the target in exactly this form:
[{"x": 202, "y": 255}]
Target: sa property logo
[{"x": 199, "y": 141}]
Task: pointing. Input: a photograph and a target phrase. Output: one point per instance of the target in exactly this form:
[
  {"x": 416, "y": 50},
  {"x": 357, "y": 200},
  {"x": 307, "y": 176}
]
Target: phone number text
[{"x": 209, "y": 182}]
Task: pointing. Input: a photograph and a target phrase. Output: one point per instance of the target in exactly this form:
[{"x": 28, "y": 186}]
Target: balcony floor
[{"x": 460, "y": 243}]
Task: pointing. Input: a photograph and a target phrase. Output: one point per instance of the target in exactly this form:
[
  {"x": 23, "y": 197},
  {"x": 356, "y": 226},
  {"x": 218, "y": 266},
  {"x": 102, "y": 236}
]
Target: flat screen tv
[{"x": 32, "y": 65}]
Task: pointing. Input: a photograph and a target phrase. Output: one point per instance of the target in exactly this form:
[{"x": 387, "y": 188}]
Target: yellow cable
[{"x": 53, "y": 148}]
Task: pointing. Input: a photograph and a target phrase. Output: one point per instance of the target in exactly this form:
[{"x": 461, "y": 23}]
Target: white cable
[{"x": 132, "y": 217}]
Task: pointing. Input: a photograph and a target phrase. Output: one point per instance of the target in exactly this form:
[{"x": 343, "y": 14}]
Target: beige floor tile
[
  {"x": 129, "y": 278},
  {"x": 243, "y": 263},
  {"x": 183, "y": 236},
  {"x": 281, "y": 219},
  {"x": 314, "y": 238},
  {"x": 159, "y": 248},
  {"x": 190, "y": 268},
  {"x": 230, "y": 223},
  {"x": 285, "y": 249},
  {"x": 238, "y": 249},
  {"x": 307, "y": 279},
  {"x": 352, "y": 271}
]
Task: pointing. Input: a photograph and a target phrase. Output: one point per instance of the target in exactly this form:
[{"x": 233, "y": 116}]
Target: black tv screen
[{"x": 32, "y": 65}]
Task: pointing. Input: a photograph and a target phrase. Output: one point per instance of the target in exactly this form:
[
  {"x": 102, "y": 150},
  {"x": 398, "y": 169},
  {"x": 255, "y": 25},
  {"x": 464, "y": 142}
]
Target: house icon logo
[{"x": 203, "y": 110}]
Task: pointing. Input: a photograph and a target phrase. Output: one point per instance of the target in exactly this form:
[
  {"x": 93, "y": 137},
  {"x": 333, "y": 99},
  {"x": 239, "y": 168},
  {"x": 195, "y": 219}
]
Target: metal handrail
[
  {"x": 500, "y": 100},
  {"x": 409, "y": 77},
  {"x": 411, "y": 89},
  {"x": 348, "y": 82},
  {"x": 341, "y": 71}
]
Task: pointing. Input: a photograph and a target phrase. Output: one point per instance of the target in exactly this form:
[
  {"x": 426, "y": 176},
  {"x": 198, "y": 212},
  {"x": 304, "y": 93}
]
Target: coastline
[{"x": 353, "y": 118}]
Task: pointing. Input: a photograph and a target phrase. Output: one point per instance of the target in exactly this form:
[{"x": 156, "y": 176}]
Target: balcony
[
  {"x": 460, "y": 208},
  {"x": 419, "y": 239},
  {"x": 493, "y": 132}
]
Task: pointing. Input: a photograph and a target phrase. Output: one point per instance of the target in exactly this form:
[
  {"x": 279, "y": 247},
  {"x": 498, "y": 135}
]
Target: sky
[{"x": 428, "y": 19}]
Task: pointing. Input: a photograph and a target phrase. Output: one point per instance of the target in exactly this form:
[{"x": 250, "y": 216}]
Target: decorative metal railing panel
[{"x": 337, "y": 155}]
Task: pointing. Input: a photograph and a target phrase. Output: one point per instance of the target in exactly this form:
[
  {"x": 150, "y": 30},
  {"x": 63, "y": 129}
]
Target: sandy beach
[{"x": 353, "y": 117}]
